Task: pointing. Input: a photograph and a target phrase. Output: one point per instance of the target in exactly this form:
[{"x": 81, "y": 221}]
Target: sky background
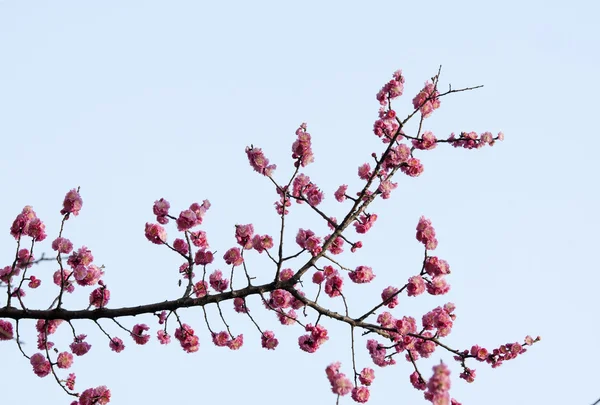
[{"x": 138, "y": 100}]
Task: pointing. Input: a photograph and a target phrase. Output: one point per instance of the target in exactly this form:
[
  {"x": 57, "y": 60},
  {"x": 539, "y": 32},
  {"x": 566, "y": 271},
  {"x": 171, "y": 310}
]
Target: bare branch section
[{"x": 399, "y": 336}]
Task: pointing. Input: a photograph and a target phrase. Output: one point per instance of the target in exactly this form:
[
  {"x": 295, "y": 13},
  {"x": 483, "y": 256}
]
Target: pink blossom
[
  {"x": 333, "y": 285},
  {"x": 385, "y": 188},
  {"x": 138, "y": 335},
  {"x": 161, "y": 210},
  {"x": 367, "y": 375},
  {"x": 306, "y": 239},
  {"x": 438, "y": 386},
  {"x": 427, "y": 100},
  {"x": 24, "y": 259},
  {"x": 62, "y": 245},
  {"x": 62, "y": 278},
  {"x": 268, "y": 340},
  {"x": 310, "y": 343},
  {"x": 243, "y": 235},
  {"x": 262, "y": 243},
  {"x": 48, "y": 327},
  {"x": 181, "y": 246},
  {"x": 397, "y": 155},
  {"x": 99, "y": 297},
  {"x": 336, "y": 246},
  {"x": 360, "y": 394},
  {"x": 440, "y": 319},
  {"x": 187, "y": 339},
  {"x": 259, "y": 162},
  {"x": 286, "y": 274},
  {"x": 236, "y": 343},
  {"x": 217, "y": 282},
  {"x": 198, "y": 239},
  {"x": 438, "y": 286},
  {"x": 412, "y": 167},
  {"x": 436, "y": 267},
  {"x": 70, "y": 382},
  {"x": 427, "y": 141},
  {"x": 300, "y": 183},
  {"x": 416, "y": 286},
  {"x": 72, "y": 203},
  {"x": 239, "y": 305},
  {"x": 417, "y": 381},
  {"x": 364, "y": 222},
  {"x": 82, "y": 257},
  {"x": 233, "y": 257},
  {"x": 426, "y": 234},
  {"x": 378, "y": 354},
  {"x": 116, "y": 345},
  {"x": 34, "y": 282},
  {"x": 41, "y": 366},
  {"x": 318, "y": 277},
  {"x": 201, "y": 289},
  {"x": 85, "y": 276},
  {"x": 6, "y": 330},
  {"x": 203, "y": 257},
  {"x": 64, "y": 360},
  {"x": 390, "y": 296},
  {"x": 301, "y": 148},
  {"x": 392, "y": 89},
  {"x": 468, "y": 375},
  {"x": 280, "y": 299},
  {"x": 362, "y": 274},
  {"x": 187, "y": 219},
  {"x": 155, "y": 233},
  {"x": 288, "y": 318},
  {"x": 79, "y": 347},
  {"x": 340, "y": 193},
  {"x": 95, "y": 396},
  {"x": 220, "y": 339},
  {"x": 364, "y": 171}
]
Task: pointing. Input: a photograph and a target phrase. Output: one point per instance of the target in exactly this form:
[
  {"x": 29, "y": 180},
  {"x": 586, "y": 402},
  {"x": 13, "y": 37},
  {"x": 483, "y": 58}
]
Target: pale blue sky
[{"x": 139, "y": 100}]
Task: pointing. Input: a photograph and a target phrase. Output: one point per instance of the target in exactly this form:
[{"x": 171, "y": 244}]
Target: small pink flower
[
  {"x": 161, "y": 210},
  {"x": 239, "y": 305},
  {"x": 268, "y": 340},
  {"x": 72, "y": 203},
  {"x": 6, "y": 330},
  {"x": 236, "y": 343},
  {"x": 340, "y": 194},
  {"x": 41, "y": 366},
  {"x": 64, "y": 360},
  {"x": 367, "y": 375},
  {"x": 364, "y": 171},
  {"x": 187, "y": 219},
  {"x": 426, "y": 233},
  {"x": 233, "y": 257},
  {"x": 79, "y": 347},
  {"x": 360, "y": 394},
  {"x": 99, "y": 297},
  {"x": 286, "y": 274},
  {"x": 362, "y": 274},
  {"x": 181, "y": 246},
  {"x": 70, "y": 382},
  {"x": 217, "y": 282},
  {"x": 156, "y": 234},
  {"x": 259, "y": 162},
  {"x": 95, "y": 396},
  {"x": 221, "y": 339},
  {"x": 203, "y": 257},
  {"x": 262, "y": 243},
  {"x": 34, "y": 282},
  {"x": 138, "y": 335},
  {"x": 416, "y": 286},
  {"x": 163, "y": 337},
  {"x": 187, "y": 339},
  {"x": 116, "y": 345},
  {"x": 199, "y": 239},
  {"x": 243, "y": 235},
  {"x": 201, "y": 289},
  {"x": 301, "y": 149}
]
